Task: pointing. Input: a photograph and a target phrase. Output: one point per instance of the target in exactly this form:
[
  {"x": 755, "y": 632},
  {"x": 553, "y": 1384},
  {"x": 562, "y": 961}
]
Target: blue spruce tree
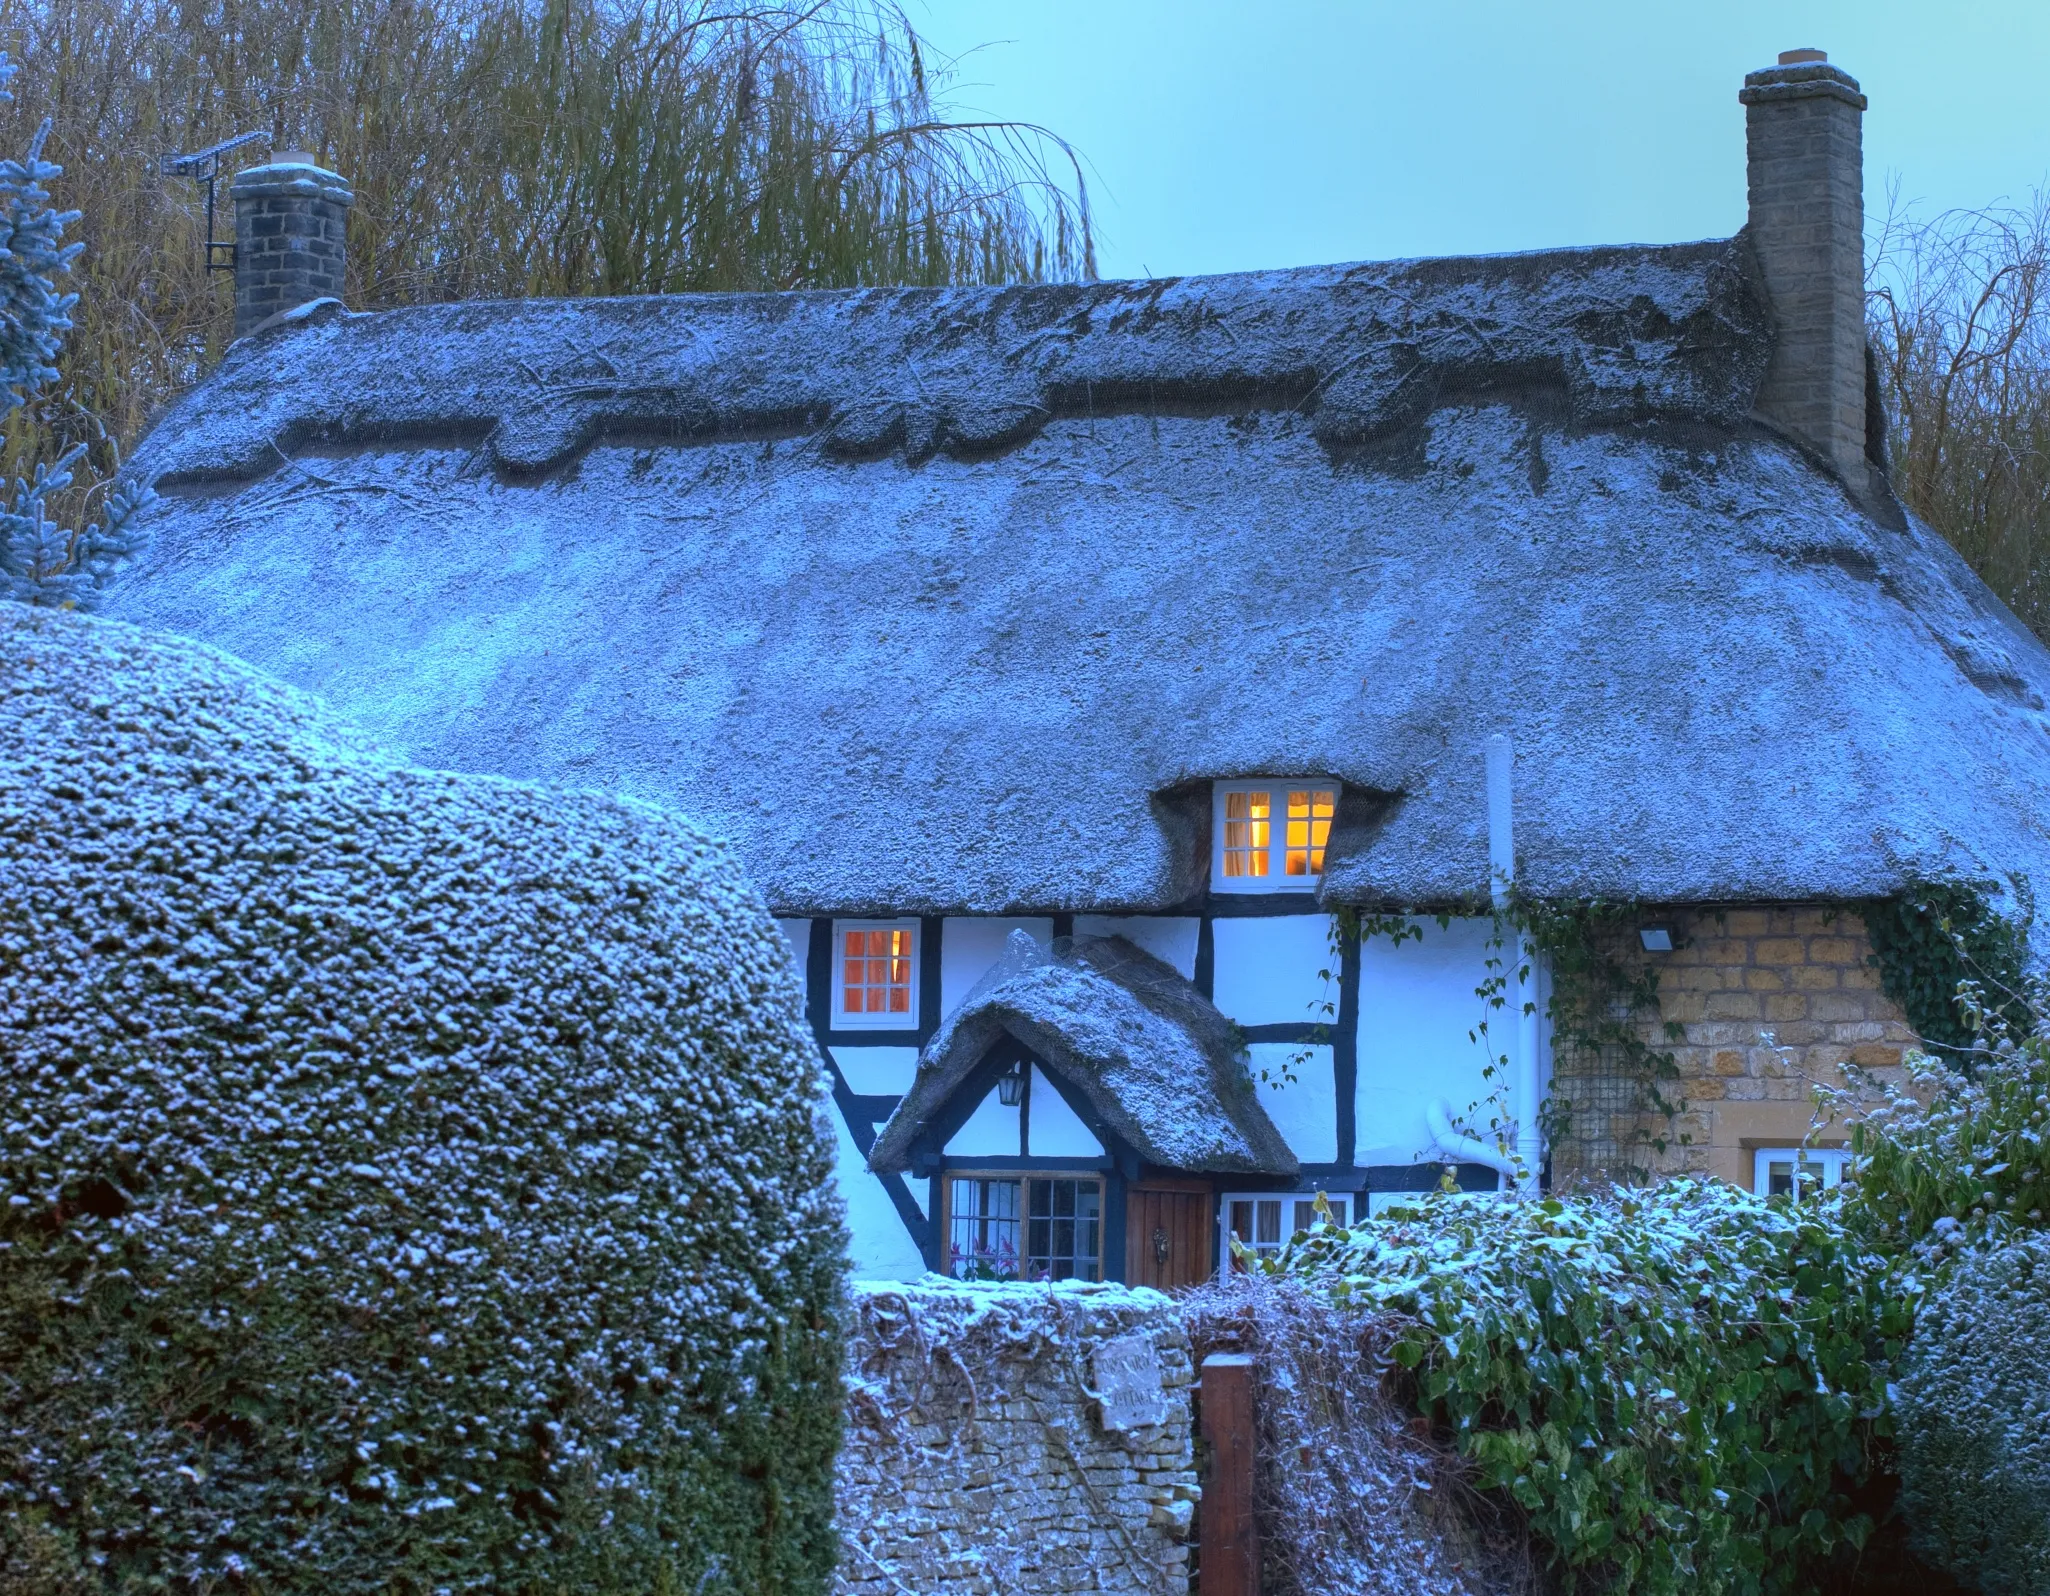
[{"x": 42, "y": 562}]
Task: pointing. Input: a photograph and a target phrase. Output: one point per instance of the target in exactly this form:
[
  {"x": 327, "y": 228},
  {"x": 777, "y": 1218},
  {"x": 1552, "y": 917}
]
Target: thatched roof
[
  {"x": 1159, "y": 1066},
  {"x": 951, "y": 599}
]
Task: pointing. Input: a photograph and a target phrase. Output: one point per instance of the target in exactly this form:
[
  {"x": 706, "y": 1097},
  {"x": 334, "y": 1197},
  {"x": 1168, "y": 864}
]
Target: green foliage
[
  {"x": 1974, "y": 1444},
  {"x": 1934, "y": 936},
  {"x": 409, "y": 1182},
  {"x": 1679, "y": 1386},
  {"x": 1952, "y": 1158},
  {"x": 1603, "y": 1001}
]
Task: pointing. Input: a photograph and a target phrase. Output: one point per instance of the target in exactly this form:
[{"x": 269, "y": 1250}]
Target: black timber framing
[{"x": 858, "y": 1111}]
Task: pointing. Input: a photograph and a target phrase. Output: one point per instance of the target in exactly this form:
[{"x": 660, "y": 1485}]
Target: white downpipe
[
  {"x": 1464, "y": 1149},
  {"x": 1527, "y": 1090}
]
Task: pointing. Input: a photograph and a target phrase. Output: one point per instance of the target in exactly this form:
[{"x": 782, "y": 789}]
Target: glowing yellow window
[
  {"x": 1248, "y": 832},
  {"x": 878, "y": 976},
  {"x": 1309, "y": 828},
  {"x": 1271, "y": 836}
]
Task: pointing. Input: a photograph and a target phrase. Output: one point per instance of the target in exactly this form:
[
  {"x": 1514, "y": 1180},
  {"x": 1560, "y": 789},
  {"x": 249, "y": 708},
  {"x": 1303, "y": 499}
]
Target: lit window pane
[
  {"x": 875, "y": 972},
  {"x": 1308, "y": 829},
  {"x": 1248, "y": 833}
]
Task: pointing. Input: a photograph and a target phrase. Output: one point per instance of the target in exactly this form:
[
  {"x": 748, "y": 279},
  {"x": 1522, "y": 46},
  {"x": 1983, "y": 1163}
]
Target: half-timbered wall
[{"x": 1348, "y": 1048}]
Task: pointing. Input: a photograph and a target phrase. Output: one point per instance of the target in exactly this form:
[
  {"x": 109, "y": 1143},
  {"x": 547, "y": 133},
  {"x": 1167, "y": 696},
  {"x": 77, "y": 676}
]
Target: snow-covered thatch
[
  {"x": 951, "y": 600},
  {"x": 407, "y": 1180},
  {"x": 1157, "y": 1064}
]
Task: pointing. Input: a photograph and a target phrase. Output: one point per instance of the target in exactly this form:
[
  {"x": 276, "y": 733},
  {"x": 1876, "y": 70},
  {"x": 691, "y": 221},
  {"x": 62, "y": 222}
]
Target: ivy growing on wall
[
  {"x": 1603, "y": 1005},
  {"x": 1935, "y": 935}
]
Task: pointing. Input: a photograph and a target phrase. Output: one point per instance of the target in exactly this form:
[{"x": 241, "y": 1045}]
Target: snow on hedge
[
  {"x": 1677, "y": 1385},
  {"x": 408, "y": 1180},
  {"x": 1973, "y": 1418}
]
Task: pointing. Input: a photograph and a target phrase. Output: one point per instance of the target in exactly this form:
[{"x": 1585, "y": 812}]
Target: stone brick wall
[
  {"x": 1771, "y": 1004},
  {"x": 290, "y": 219},
  {"x": 1017, "y": 1440}
]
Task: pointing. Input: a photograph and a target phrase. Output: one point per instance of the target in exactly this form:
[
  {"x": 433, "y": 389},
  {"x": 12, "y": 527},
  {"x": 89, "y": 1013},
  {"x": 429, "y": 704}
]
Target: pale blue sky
[{"x": 1225, "y": 136}]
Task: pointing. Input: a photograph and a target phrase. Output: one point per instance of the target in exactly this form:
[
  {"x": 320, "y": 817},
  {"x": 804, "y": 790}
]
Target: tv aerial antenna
[{"x": 204, "y": 166}]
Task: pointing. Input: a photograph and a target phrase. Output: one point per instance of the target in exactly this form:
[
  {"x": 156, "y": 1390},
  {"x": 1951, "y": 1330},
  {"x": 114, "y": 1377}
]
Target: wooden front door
[{"x": 1168, "y": 1235}]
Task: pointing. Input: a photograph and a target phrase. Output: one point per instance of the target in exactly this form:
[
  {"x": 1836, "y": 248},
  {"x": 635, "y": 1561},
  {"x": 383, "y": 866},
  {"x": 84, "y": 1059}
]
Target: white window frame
[
  {"x": 845, "y": 1021},
  {"x": 1276, "y": 880},
  {"x": 1831, "y": 1161},
  {"x": 1336, "y": 1200}
]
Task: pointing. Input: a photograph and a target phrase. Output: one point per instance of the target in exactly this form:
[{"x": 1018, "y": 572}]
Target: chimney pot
[
  {"x": 1804, "y": 142},
  {"x": 282, "y": 208}
]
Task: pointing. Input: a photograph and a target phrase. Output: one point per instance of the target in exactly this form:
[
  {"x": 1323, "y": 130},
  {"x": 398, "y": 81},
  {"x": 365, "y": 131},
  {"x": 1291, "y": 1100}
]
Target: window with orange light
[
  {"x": 875, "y": 975},
  {"x": 1271, "y": 835}
]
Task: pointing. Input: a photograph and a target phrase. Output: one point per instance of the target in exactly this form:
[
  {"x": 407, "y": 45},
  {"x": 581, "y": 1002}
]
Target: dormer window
[
  {"x": 875, "y": 974},
  {"x": 1270, "y": 835}
]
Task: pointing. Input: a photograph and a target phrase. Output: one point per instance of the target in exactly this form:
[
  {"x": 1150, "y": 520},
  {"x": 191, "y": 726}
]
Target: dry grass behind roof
[{"x": 510, "y": 148}]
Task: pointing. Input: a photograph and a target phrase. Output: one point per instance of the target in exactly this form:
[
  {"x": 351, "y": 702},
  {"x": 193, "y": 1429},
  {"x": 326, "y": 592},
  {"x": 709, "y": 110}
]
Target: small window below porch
[
  {"x": 1264, "y": 1222},
  {"x": 1024, "y": 1227}
]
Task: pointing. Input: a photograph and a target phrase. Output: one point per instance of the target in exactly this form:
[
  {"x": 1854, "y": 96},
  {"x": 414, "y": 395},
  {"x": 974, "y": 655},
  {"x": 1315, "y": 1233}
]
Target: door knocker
[{"x": 1159, "y": 1245}]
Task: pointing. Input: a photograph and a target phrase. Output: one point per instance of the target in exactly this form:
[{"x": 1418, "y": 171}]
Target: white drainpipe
[
  {"x": 1528, "y": 1090},
  {"x": 1463, "y": 1149}
]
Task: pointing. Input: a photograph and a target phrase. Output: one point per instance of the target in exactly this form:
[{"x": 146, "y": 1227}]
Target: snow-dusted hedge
[
  {"x": 1973, "y": 1407},
  {"x": 1678, "y": 1386},
  {"x": 408, "y": 1181}
]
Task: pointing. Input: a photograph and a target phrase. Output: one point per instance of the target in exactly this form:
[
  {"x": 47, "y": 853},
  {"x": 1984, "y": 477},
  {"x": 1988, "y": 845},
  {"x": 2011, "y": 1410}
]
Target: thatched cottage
[{"x": 1070, "y": 665}]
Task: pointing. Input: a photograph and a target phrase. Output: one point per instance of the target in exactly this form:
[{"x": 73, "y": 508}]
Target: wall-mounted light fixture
[
  {"x": 1656, "y": 938},
  {"x": 1011, "y": 1086}
]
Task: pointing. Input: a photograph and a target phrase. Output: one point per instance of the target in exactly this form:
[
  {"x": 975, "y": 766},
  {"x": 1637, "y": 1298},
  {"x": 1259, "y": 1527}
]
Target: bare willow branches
[
  {"x": 1959, "y": 315},
  {"x": 513, "y": 148}
]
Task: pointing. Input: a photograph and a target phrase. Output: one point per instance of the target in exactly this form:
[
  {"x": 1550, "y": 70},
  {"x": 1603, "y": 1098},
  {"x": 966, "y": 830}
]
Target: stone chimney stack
[
  {"x": 1803, "y": 127},
  {"x": 289, "y": 216}
]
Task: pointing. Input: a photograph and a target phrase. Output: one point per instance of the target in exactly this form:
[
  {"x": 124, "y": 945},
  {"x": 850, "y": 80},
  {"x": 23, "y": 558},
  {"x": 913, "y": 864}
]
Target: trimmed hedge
[
  {"x": 409, "y": 1182},
  {"x": 1680, "y": 1387},
  {"x": 1973, "y": 1407}
]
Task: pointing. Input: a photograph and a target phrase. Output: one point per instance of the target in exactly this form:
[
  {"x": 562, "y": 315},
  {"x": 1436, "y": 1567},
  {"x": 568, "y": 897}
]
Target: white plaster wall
[
  {"x": 1266, "y": 971},
  {"x": 1054, "y": 1130},
  {"x": 990, "y": 1132},
  {"x": 1305, "y": 1111},
  {"x": 798, "y": 934},
  {"x": 1169, "y": 938},
  {"x": 968, "y": 947},
  {"x": 1417, "y": 1004},
  {"x": 876, "y": 1071},
  {"x": 879, "y": 1246}
]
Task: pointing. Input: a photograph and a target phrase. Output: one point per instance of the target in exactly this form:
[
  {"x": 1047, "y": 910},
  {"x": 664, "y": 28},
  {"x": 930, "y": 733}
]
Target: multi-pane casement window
[
  {"x": 1270, "y": 836},
  {"x": 875, "y": 974},
  {"x": 1263, "y": 1224},
  {"x": 1024, "y": 1227},
  {"x": 1798, "y": 1171}
]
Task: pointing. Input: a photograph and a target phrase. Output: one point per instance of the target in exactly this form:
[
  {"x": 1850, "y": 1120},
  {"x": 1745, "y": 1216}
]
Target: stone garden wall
[{"x": 1015, "y": 1439}]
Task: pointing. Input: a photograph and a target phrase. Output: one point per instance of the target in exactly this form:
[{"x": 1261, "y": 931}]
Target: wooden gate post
[{"x": 1228, "y": 1540}]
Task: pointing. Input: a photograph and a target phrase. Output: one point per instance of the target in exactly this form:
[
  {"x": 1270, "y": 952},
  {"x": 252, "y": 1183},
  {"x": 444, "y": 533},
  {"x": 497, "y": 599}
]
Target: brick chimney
[
  {"x": 289, "y": 216},
  {"x": 1803, "y": 130}
]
